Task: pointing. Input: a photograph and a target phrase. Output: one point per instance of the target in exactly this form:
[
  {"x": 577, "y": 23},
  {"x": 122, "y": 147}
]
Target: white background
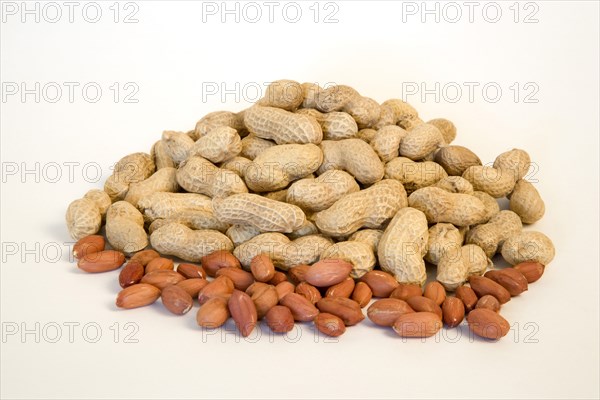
[{"x": 176, "y": 56}]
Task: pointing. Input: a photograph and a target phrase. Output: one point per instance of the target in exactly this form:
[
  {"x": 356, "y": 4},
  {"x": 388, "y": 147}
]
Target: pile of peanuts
[{"x": 306, "y": 205}]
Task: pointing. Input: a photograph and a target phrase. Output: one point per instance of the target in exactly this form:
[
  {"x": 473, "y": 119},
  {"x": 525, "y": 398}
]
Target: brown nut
[
  {"x": 284, "y": 288},
  {"x": 348, "y": 310},
  {"x": 468, "y": 297},
  {"x": 264, "y": 298},
  {"x": 262, "y": 268},
  {"x": 328, "y": 272},
  {"x": 145, "y": 256},
  {"x": 302, "y": 309},
  {"x": 329, "y": 324},
  {"x": 278, "y": 277},
  {"x": 243, "y": 311},
  {"x": 435, "y": 291},
  {"x": 191, "y": 271},
  {"x": 362, "y": 294},
  {"x": 381, "y": 283},
  {"x": 417, "y": 325},
  {"x": 424, "y": 304},
  {"x": 131, "y": 274},
  {"x": 488, "y": 301},
  {"x": 296, "y": 273},
  {"x": 453, "y": 311},
  {"x": 213, "y": 313},
  {"x": 487, "y": 324},
  {"x": 531, "y": 270},
  {"x": 220, "y": 287},
  {"x": 280, "y": 319},
  {"x": 176, "y": 300},
  {"x": 241, "y": 279},
  {"x": 162, "y": 278},
  {"x": 159, "y": 263},
  {"x": 509, "y": 278},
  {"x": 217, "y": 260},
  {"x": 307, "y": 290},
  {"x": 342, "y": 289},
  {"x": 138, "y": 295},
  {"x": 193, "y": 286},
  {"x": 102, "y": 261},
  {"x": 405, "y": 291},
  {"x": 482, "y": 286},
  {"x": 88, "y": 245},
  {"x": 385, "y": 312}
]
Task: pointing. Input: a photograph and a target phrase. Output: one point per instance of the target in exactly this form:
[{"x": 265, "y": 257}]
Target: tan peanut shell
[
  {"x": 422, "y": 140},
  {"x": 364, "y": 110},
  {"x": 369, "y": 208},
  {"x": 278, "y": 195},
  {"x": 414, "y": 175},
  {"x": 125, "y": 228},
  {"x": 198, "y": 175},
  {"x": 281, "y": 126},
  {"x": 320, "y": 193},
  {"x": 334, "y": 98},
  {"x": 283, "y": 252},
  {"x": 100, "y": 198},
  {"x": 166, "y": 205},
  {"x": 220, "y": 144},
  {"x": 526, "y": 202},
  {"x": 191, "y": 245},
  {"x": 476, "y": 259},
  {"x": 335, "y": 125},
  {"x": 528, "y": 246},
  {"x": 456, "y": 159},
  {"x": 354, "y": 156},
  {"x": 163, "y": 180},
  {"x": 367, "y": 236},
  {"x": 218, "y": 119},
  {"x": 307, "y": 228},
  {"x": 403, "y": 245},
  {"x": 177, "y": 145},
  {"x": 515, "y": 163},
  {"x": 386, "y": 117},
  {"x": 386, "y": 142},
  {"x": 83, "y": 218},
  {"x": 442, "y": 206},
  {"x": 160, "y": 156},
  {"x": 400, "y": 109},
  {"x": 491, "y": 204},
  {"x": 443, "y": 238},
  {"x": 132, "y": 168},
  {"x": 491, "y": 235},
  {"x": 264, "y": 214},
  {"x": 452, "y": 270},
  {"x": 276, "y": 167},
  {"x": 359, "y": 254},
  {"x": 310, "y": 91},
  {"x": 239, "y": 165},
  {"x": 446, "y": 127},
  {"x": 283, "y": 93},
  {"x": 495, "y": 182},
  {"x": 366, "y": 134},
  {"x": 241, "y": 233},
  {"x": 252, "y": 146},
  {"x": 455, "y": 184}
]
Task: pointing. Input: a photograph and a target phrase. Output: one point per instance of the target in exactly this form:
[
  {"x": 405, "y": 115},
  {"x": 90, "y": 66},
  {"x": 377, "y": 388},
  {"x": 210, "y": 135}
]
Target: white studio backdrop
[{"x": 84, "y": 83}]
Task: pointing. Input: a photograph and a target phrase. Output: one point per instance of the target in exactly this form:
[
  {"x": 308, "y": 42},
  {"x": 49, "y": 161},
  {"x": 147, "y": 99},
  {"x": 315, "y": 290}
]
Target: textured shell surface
[
  {"x": 386, "y": 142},
  {"x": 495, "y": 182},
  {"x": 163, "y": 180},
  {"x": 441, "y": 206},
  {"x": 282, "y": 126},
  {"x": 355, "y": 156},
  {"x": 83, "y": 218},
  {"x": 403, "y": 245},
  {"x": 198, "y": 175},
  {"x": 368, "y": 208},
  {"x": 420, "y": 141},
  {"x": 191, "y": 245},
  {"x": 217, "y": 119},
  {"x": 320, "y": 193},
  {"x": 359, "y": 254},
  {"x": 456, "y": 159},
  {"x": 264, "y": 214},
  {"x": 528, "y": 246}
]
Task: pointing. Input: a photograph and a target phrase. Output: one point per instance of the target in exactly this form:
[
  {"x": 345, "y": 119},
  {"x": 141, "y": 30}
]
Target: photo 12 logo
[
  {"x": 453, "y": 12},
  {"x": 69, "y": 92},
  {"x": 253, "y": 12},
  {"x": 69, "y": 12},
  {"x": 68, "y": 332}
]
